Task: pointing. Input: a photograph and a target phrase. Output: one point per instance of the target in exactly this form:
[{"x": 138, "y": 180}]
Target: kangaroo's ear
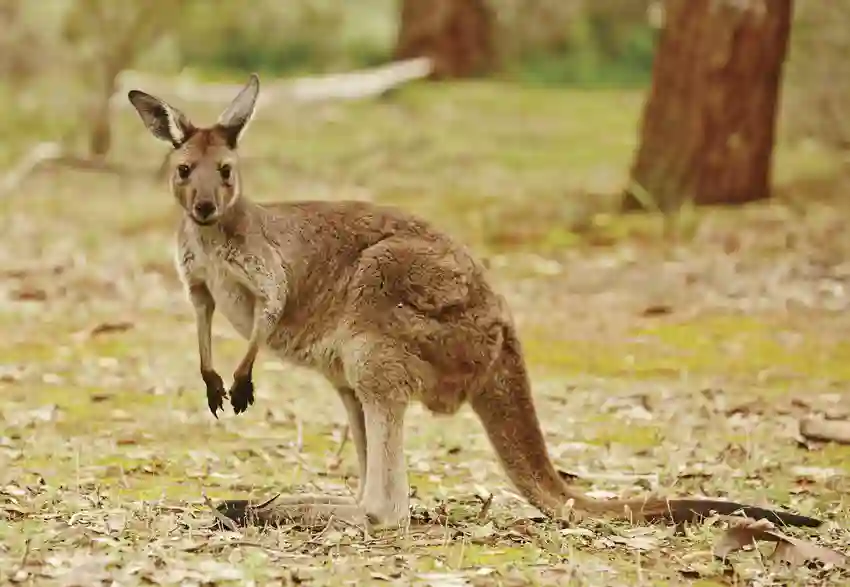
[
  {"x": 164, "y": 121},
  {"x": 235, "y": 118}
]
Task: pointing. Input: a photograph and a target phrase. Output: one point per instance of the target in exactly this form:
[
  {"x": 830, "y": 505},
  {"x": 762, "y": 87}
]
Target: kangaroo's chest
[
  {"x": 220, "y": 271},
  {"x": 232, "y": 299},
  {"x": 225, "y": 273}
]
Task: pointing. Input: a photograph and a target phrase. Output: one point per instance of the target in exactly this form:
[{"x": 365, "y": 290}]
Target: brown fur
[{"x": 389, "y": 309}]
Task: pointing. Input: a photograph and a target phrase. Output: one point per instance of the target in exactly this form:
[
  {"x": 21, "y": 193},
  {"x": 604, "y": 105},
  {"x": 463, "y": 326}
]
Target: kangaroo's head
[{"x": 203, "y": 166}]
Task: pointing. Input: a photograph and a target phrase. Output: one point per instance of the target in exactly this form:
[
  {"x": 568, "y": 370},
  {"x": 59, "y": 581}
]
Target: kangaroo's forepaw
[
  {"x": 242, "y": 393},
  {"x": 215, "y": 391}
]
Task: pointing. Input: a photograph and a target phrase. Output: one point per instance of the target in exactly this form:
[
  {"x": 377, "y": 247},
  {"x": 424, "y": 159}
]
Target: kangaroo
[{"x": 389, "y": 309}]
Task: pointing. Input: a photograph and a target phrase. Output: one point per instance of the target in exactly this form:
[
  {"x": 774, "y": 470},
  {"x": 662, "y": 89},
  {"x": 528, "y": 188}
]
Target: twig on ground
[
  {"x": 223, "y": 520},
  {"x": 221, "y": 544},
  {"x": 315, "y": 539},
  {"x": 814, "y": 428},
  {"x": 486, "y": 502},
  {"x": 266, "y": 503}
]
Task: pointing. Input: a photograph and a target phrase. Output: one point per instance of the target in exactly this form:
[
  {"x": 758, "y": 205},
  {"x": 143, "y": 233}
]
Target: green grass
[{"x": 745, "y": 349}]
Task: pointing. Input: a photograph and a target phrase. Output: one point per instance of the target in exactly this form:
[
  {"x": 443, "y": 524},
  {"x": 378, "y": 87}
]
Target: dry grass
[{"x": 681, "y": 367}]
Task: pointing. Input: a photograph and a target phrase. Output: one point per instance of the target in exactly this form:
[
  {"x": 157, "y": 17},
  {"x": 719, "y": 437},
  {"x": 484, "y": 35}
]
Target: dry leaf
[
  {"x": 820, "y": 474},
  {"x": 10, "y": 374},
  {"x": 815, "y": 428},
  {"x": 744, "y": 532},
  {"x": 29, "y": 294},
  {"x": 109, "y": 327},
  {"x": 638, "y": 539},
  {"x": 657, "y": 310}
]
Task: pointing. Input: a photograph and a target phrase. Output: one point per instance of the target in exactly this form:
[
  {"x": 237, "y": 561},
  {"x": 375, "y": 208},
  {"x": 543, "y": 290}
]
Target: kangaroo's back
[{"x": 322, "y": 240}]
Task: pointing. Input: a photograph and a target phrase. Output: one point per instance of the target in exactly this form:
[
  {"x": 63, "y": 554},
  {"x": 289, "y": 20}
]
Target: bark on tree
[
  {"x": 709, "y": 122},
  {"x": 457, "y": 35}
]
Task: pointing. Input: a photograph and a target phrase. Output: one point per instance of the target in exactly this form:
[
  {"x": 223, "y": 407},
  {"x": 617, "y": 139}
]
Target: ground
[{"x": 676, "y": 359}]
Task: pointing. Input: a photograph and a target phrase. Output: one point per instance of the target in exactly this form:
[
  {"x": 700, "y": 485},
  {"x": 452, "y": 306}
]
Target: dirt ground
[{"x": 680, "y": 367}]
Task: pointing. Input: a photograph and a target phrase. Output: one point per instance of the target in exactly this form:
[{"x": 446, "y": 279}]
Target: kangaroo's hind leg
[
  {"x": 243, "y": 512},
  {"x": 382, "y": 378},
  {"x": 357, "y": 429}
]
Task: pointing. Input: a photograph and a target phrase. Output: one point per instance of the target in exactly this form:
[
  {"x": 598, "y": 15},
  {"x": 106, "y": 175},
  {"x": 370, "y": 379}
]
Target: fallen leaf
[
  {"x": 747, "y": 407},
  {"x": 815, "y": 428},
  {"x": 482, "y": 532},
  {"x": 444, "y": 579},
  {"x": 110, "y": 327},
  {"x": 30, "y": 418},
  {"x": 657, "y": 310},
  {"x": 644, "y": 543},
  {"x": 10, "y": 374},
  {"x": 744, "y": 532},
  {"x": 816, "y": 473},
  {"x": 29, "y": 294}
]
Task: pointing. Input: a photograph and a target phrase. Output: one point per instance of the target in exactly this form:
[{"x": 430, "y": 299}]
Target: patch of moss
[
  {"x": 747, "y": 346},
  {"x": 605, "y": 430},
  {"x": 830, "y": 455},
  {"x": 30, "y": 351},
  {"x": 463, "y": 554},
  {"x": 746, "y": 349},
  {"x": 476, "y": 555},
  {"x": 110, "y": 346}
]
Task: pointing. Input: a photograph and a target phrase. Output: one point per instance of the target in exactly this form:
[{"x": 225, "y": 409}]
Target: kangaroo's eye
[
  {"x": 183, "y": 171},
  {"x": 225, "y": 171}
]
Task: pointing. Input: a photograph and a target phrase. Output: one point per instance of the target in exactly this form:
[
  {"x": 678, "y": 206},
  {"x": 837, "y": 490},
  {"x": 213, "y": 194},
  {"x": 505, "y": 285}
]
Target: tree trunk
[
  {"x": 457, "y": 35},
  {"x": 709, "y": 122}
]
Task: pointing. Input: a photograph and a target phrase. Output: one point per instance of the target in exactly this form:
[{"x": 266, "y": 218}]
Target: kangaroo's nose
[{"x": 204, "y": 209}]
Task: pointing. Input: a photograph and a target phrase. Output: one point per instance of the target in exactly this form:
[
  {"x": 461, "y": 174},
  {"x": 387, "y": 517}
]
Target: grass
[
  {"x": 689, "y": 360},
  {"x": 746, "y": 349}
]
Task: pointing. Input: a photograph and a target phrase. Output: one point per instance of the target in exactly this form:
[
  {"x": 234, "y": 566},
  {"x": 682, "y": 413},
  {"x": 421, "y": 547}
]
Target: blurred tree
[
  {"x": 709, "y": 123},
  {"x": 108, "y": 37},
  {"x": 456, "y": 34},
  {"x": 16, "y": 65}
]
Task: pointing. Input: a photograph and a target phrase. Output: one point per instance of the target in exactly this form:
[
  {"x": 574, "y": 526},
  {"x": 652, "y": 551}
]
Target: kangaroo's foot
[{"x": 312, "y": 510}]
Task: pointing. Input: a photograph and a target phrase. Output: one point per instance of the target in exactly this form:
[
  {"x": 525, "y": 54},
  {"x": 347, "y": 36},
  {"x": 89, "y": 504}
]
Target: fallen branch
[
  {"x": 53, "y": 155},
  {"x": 826, "y": 430},
  {"x": 794, "y": 551},
  {"x": 36, "y": 156},
  {"x": 355, "y": 85},
  {"x": 220, "y": 518}
]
